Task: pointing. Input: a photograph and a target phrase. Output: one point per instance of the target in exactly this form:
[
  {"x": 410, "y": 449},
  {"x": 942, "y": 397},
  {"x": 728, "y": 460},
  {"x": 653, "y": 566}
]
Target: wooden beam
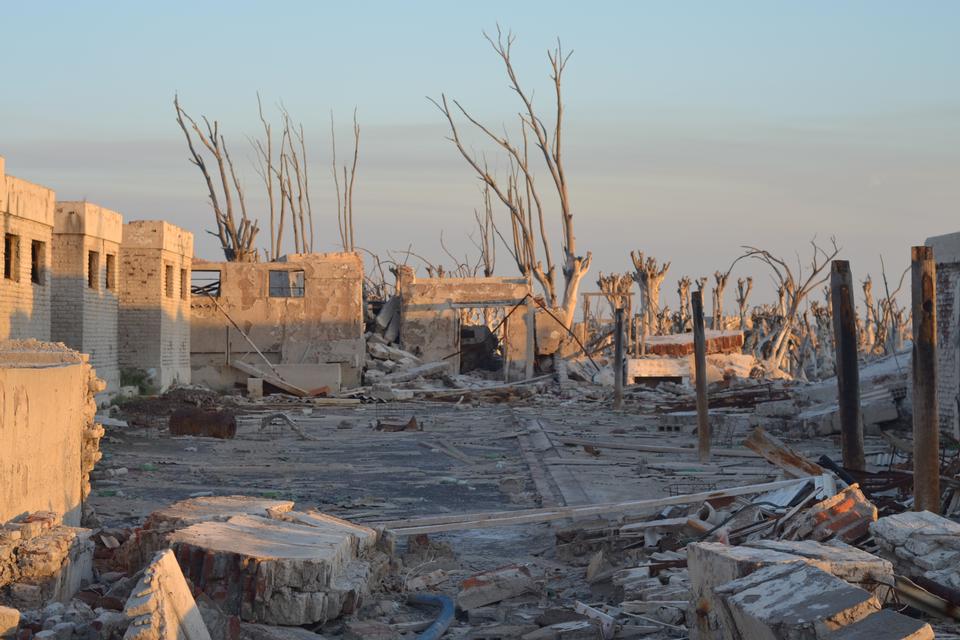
[
  {"x": 795, "y": 465},
  {"x": 926, "y": 422},
  {"x": 700, "y": 362},
  {"x": 848, "y": 364},
  {"x": 629, "y": 446}
]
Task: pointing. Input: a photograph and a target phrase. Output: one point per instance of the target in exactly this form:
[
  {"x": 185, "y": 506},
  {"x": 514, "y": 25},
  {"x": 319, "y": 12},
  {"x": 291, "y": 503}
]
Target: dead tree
[
  {"x": 795, "y": 288},
  {"x": 237, "y": 240},
  {"x": 683, "y": 292},
  {"x": 649, "y": 276},
  {"x": 487, "y": 242},
  {"x": 345, "y": 203},
  {"x": 519, "y": 193},
  {"x": 744, "y": 287},
  {"x": 720, "y": 283},
  {"x": 616, "y": 289}
]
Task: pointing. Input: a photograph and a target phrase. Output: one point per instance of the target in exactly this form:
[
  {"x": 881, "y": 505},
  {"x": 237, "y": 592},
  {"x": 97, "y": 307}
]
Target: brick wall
[
  {"x": 948, "y": 346},
  {"x": 26, "y": 215},
  {"x": 154, "y": 324},
  {"x": 85, "y": 317}
]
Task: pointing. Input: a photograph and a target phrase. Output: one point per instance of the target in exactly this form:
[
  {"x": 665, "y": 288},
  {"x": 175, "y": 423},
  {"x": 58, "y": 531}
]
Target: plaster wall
[
  {"x": 154, "y": 319},
  {"x": 42, "y": 440},
  {"x": 322, "y": 326}
]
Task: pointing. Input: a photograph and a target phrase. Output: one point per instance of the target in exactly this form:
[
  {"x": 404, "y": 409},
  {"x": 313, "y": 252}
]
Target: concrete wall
[
  {"x": 430, "y": 321},
  {"x": 323, "y": 326},
  {"x": 26, "y": 213},
  {"x": 44, "y": 444},
  {"x": 154, "y": 323},
  {"x": 85, "y": 317},
  {"x": 946, "y": 253}
]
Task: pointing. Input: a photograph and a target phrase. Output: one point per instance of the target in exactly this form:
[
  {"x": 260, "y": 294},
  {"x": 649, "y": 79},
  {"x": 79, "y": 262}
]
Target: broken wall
[
  {"x": 946, "y": 253},
  {"x": 47, "y": 448},
  {"x": 154, "y": 320},
  {"x": 26, "y": 215},
  {"x": 304, "y": 310},
  {"x": 430, "y": 312},
  {"x": 85, "y": 284}
]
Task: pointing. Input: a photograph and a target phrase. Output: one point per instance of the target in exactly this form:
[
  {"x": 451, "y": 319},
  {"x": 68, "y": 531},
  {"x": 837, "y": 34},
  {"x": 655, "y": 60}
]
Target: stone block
[
  {"x": 794, "y": 600},
  {"x": 161, "y": 606},
  {"x": 921, "y": 544}
]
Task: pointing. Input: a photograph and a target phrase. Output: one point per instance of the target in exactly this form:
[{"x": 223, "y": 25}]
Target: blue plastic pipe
[{"x": 436, "y": 630}]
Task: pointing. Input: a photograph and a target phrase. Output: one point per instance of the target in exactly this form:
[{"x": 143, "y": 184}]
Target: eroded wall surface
[
  {"x": 49, "y": 442},
  {"x": 430, "y": 319},
  {"x": 946, "y": 254},
  {"x": 85, "y": 284},
  {"x": 26, "y": 215},
  {"x": 320, "y": 324},
  {"x": 154, "y": 321}
]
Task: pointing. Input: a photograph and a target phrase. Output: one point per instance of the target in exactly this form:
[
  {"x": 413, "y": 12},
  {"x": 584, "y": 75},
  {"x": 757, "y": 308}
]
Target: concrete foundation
[
  {"x": 26, "y": 215},
  {"x": 86, "y": 284},
  {"x": 305, "y": 313},
  {"x": 154, "y": 334}
]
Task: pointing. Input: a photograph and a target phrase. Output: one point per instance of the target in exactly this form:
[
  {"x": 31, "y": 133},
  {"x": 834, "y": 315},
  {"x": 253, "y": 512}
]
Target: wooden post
[
  {"x": 847, "y": 364},
  {"x": 618, "y": 364},
  {"x": 531, "y": 337},
  {"x": 700, "y": 361},
  {"x": 926, "y": 423}
]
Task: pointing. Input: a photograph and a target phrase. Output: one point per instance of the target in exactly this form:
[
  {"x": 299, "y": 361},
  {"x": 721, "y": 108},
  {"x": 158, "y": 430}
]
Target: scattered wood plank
[
  {"x": 272, "y": 378},
  {"x": 651, "y": 448},
  {"x": 794, "y": 464},
  {"x": 436, "y": 524}
]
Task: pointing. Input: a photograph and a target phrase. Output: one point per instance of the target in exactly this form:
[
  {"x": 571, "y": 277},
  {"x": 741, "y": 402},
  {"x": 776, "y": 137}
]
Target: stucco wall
[
  {"x": 44, "y": 444},
  {"x": 324, "y": 325},
  {"x": 430, "y": 323},
  {"x": 154, "y": 321},
  {"x": 85, "y": 318},
  {"x": 26, "y": 212}
]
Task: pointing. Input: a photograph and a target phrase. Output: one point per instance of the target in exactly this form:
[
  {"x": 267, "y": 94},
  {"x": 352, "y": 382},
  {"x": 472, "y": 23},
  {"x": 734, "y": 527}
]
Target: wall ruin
[
  {"x": 430, "y": 312},
  {"x": 47, "y": 449},
  {"x": 946, "y": 253}
]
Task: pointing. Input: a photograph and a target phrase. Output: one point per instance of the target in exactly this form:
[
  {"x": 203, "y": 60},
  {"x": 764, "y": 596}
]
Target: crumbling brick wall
[
  {"x": 154, "y": 321},
  {"x": 85, "y": 303},
  {"x": 26, "y": 214}
]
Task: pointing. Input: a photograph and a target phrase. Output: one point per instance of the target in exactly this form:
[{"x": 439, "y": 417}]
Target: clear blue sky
[{"x": 694, "y": 127}]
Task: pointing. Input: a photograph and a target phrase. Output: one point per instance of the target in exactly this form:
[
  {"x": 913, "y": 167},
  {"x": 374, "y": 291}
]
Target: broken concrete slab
[
  {"x": 886, "y": 624},
  {"x": 161, "y": 606},
  {"x": 921, "y": 544},
  {"x": 273, "y": 571},
  {"x": 836, "y": 558},
  {"x": 794, "y": 600},
  {"x": 494, "y": 586},
  {"x": 154, "y": 534},
  {"x": 253, "y": 631},
  {"x": 573, "y": 630}
]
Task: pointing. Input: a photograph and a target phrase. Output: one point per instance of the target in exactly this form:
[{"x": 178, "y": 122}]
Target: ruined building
[{"x": 304, "y": 314}]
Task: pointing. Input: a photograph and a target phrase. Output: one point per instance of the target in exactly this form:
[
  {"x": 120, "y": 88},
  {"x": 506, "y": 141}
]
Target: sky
[{"x": 692, "y": 128}]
